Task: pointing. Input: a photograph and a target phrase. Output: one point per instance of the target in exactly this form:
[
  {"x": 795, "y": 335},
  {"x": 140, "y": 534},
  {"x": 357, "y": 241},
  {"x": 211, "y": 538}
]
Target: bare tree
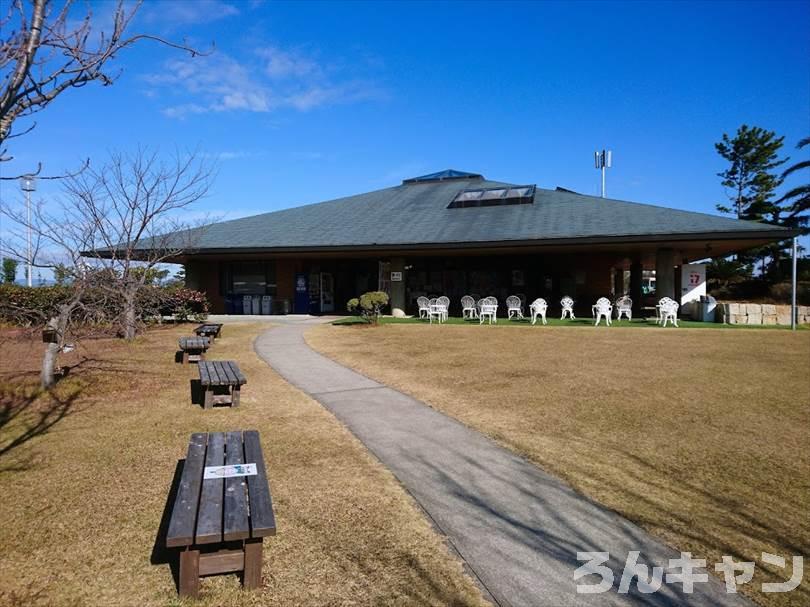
[
  {"x": 75, "y": 302},
  {"x": 109, "y": 231},
  {"x": 135, "y": 206},
  {"x": 46, "y": 52}
]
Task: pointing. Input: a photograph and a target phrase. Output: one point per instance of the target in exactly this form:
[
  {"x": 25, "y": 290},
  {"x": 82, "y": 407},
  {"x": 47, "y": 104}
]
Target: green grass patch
[{"x": 556, "y": 322}]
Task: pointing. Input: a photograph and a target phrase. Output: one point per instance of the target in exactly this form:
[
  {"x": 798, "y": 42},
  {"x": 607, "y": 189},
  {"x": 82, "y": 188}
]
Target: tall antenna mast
[{"x": 603, "y": 160}]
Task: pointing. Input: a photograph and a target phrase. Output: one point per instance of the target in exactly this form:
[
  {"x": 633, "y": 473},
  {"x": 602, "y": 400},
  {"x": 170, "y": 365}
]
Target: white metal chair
[
  {"x": 669, "y": 311},
  {"x": 493, "y": 301},
  {"x": 538, "y": 308},
  {"x": 514, "y": 307},
  {"x": 424, "y": 306},
  {"x": 468, "y": 309},
  {"x": 435, "y": 310},
  {"x": 444, "y": 301},
  {"x": 601, "y": 308},
  {"x": 567, "y": 307},
  {"x": 661, "y": 302},
  {"x": 624, "y": 306}
]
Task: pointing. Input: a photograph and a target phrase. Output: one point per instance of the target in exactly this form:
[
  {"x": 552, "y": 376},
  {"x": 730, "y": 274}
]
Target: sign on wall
[
  {"x": 693, "y": 281},
  {"x": 396, "y": 276}
]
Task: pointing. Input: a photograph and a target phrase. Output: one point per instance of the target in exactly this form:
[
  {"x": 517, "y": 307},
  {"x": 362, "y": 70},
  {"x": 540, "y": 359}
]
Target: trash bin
[
  {"x": 267, "y": 304},
  {"x": 708, "y": 306},
  {"x": 247, "y": 304},
  {"x": 256, "y": 308}
]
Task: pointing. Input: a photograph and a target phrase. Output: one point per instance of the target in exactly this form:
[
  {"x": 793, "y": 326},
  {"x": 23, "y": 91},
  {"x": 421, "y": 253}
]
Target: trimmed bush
[{"x": 368, "y": 305}]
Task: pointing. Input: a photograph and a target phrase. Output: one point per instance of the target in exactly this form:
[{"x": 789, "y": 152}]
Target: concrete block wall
[{"x": 733, "y": 313}]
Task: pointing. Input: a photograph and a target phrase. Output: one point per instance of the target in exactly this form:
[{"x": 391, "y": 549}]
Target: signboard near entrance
[{"x": 396, "y": 276}]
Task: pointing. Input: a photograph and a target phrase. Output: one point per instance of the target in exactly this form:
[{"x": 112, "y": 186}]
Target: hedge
[{"x": 32, "y": 305}]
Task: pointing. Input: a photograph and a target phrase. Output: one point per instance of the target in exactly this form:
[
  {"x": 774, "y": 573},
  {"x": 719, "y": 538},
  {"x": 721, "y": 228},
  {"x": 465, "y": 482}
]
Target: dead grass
[
  {"x": 85, "y": 472},
  {"x": 700, "y": 436}
]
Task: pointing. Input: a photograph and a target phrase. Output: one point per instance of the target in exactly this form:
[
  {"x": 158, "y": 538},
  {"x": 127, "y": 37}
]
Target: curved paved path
[{"x": 517, "y": 528}]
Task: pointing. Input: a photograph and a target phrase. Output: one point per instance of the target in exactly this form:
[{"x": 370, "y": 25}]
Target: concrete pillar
[
  {"x": 665, "y": 273},
  {"x": 635, "y": 286},
  {"x": 398, "y": 288}
]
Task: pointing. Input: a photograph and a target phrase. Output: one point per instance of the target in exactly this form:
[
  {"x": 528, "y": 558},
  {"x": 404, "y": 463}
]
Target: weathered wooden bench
[
  {"x": 219, "y": 523},
  {"x": 221, "y": 381},
  {"x": 210, "y": 330},
  {"x": 194, "y": 348}
]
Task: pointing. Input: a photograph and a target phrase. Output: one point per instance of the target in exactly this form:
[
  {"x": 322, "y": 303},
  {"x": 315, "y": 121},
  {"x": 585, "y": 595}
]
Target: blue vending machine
[{"x": 301, "y": 304}]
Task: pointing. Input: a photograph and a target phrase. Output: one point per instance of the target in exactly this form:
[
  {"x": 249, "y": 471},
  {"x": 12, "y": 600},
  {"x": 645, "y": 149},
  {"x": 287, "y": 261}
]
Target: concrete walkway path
[{"x": 517, "y": 528}]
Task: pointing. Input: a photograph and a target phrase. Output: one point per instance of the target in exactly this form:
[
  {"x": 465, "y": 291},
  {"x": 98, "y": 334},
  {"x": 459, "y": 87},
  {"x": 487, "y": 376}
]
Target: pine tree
[{"x": 751, "y": 180}]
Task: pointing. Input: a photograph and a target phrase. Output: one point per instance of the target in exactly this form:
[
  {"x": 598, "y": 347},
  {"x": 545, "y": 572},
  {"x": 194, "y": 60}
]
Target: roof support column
[
  {"x": 636, "y": 276},
  {"x": 398, "y": 287},
  {"x": 665, "y": 274}
]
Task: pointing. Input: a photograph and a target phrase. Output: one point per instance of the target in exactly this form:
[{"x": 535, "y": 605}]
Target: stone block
[
  {"x": 769, "y": 319},
  {"x": 753, "y": 309},
  {"x": 734, "y": 308},
  {"x": 736, "y": 319},
  {"x": 783, "y": 319},
  {"x": 768, "y": 309},
  {"x": 782, "y": 309},
  {"x": 754, "y": 319}
]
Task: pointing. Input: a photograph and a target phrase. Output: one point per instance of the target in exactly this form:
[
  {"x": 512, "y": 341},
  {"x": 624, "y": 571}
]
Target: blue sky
[{"x": 302, "y": 102}]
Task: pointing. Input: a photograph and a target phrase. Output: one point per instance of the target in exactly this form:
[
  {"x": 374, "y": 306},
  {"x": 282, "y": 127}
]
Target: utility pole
[
  {"x": 603, "y": 161},
  {"x": 28, "y": 185},
  {"x": 793, "y": 309}
]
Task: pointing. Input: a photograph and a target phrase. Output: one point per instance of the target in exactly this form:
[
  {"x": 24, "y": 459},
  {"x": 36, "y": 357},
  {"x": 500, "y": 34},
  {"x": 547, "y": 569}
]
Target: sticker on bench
[{"x": 229, "y": 471}]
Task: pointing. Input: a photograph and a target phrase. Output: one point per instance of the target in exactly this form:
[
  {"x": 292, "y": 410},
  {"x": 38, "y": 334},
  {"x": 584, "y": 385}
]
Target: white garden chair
[
  {"x": 488, "y": 312},
  {"x": 468, "y": 309},
  {"x": 514, "y": 307},
  {"x": 445, "y": 303},
  {"x": 423, "y": 303},
  {"x": 624, "y": 305},
  {"x": 567, "y": 307},
  {"x": 661, "y": 302},
  {"x": 601, "y": 308},
  {"x": 493, "y": 301},
  {"x": 669, "y": 312},
  {"x": 435, "y": 310},
  {"x": 538, "y": 308}
]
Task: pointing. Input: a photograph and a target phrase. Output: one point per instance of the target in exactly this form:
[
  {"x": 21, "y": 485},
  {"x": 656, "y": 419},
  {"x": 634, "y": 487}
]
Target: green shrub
[
  {"x": 368, "y": 305},
  {"x": 30, "y": 305}
]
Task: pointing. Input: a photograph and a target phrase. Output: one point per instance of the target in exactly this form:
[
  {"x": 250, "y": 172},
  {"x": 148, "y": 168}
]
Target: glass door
[{"x": 327, "y": 293}]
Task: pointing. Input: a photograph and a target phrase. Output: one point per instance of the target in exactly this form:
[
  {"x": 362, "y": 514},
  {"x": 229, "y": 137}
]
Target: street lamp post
[{"x": 28, "y": 185}]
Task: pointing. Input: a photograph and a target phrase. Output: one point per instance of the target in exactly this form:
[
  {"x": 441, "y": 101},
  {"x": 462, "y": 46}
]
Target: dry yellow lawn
[
  {"x": 701, "y": 436},
  {"x": 81, "y": 504}
]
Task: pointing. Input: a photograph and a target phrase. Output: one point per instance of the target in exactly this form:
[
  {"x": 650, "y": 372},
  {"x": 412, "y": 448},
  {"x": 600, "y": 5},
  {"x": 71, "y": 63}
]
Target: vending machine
[{"x": 301, "y": 302}]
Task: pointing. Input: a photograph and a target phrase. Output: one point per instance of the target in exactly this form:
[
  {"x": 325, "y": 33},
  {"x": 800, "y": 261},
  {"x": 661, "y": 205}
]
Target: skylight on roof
[
  {"x": 443, "y": 176},
  {"x": 492, "y": 197}
]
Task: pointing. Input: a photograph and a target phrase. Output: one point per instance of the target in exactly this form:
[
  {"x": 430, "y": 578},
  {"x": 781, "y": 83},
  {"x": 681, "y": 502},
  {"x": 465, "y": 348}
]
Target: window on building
[
  {"x": 491, "y": 197},
  {"x": 251, "y": 278}
]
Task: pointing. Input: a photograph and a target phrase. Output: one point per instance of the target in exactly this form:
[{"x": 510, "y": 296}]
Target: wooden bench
[
  {"x": 219, "y": 523},
  {"x": 210, "y": 330},
  {"x": 194, "y": 348},
  {"x": 221, "y": 381}
]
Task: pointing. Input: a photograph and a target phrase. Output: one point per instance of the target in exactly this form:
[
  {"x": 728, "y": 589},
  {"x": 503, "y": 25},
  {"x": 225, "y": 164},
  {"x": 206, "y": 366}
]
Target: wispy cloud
[
  {"x": 267, "y": 79},
  {"x": 184, "y": 13}
]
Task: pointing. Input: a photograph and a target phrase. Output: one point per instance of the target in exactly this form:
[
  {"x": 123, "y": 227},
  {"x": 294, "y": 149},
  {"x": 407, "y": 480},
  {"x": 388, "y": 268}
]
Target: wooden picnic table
[
  {"x": 194, "y": 348},
  {"x": 219, "y": 523},
  {"x": 221, "y": 381},
  {"x": 211, "y": 330}
]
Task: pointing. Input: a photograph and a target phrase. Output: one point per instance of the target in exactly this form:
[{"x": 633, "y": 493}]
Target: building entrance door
[{"x": 327, "y": 292}]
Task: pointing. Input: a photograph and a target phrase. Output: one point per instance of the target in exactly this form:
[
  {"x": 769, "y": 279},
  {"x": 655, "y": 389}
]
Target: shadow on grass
[
  {"x": 27, "y": 414},
  {"x": 161, "y": 555},
  {"x": 196, "y": 392}
]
